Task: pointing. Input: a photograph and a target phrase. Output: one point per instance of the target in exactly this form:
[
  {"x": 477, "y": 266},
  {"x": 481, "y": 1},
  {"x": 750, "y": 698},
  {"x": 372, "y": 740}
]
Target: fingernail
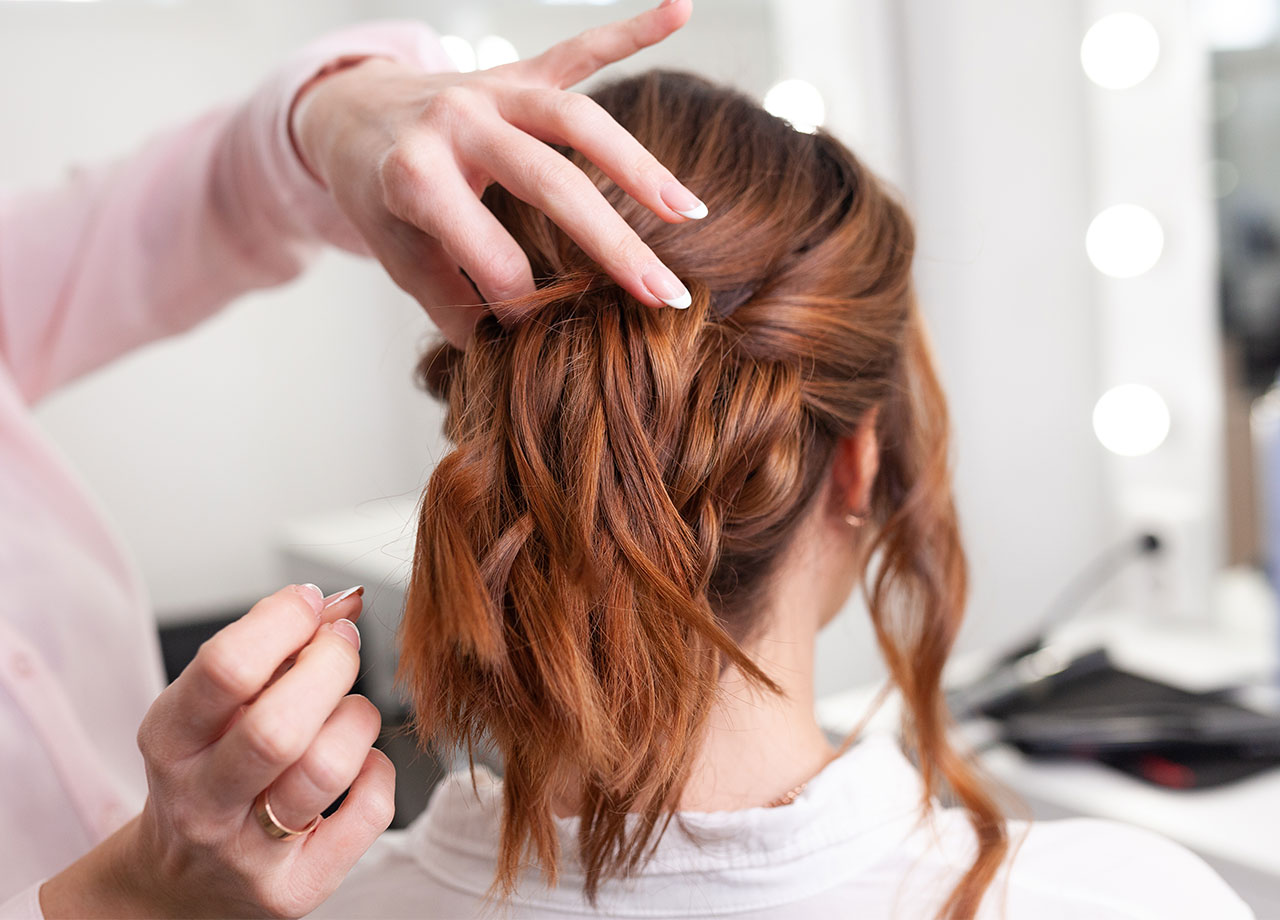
[
  {"x": 682, "y": 201},
  {"x": 349, "y": 631},
  {"x": 314, "y": 596},
  {"x": 666, "y": 3},
  {"x": 342, "y": 596},
  {"x": 665, "y": 286}
]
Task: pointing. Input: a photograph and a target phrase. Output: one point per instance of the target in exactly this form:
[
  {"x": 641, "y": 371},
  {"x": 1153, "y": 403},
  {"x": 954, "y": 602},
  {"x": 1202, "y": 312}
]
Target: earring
[{"x": 854, "y": 520}]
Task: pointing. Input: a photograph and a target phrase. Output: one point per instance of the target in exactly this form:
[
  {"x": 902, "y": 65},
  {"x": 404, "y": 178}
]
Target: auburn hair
[{"x": 600, "y": 543}]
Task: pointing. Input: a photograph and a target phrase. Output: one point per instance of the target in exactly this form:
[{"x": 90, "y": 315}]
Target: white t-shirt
[{"x": 851, "y": 845}]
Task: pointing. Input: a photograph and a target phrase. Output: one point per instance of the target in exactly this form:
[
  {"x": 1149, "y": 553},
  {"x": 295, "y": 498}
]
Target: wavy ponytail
[{"x": 600, "y": 544}]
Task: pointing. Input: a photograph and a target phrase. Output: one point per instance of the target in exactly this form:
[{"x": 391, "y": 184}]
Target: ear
[{"x": 856, "y": 464}]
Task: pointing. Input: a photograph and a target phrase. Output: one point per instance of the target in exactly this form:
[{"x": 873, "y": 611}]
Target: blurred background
[{"x": 1098, "y": 211}]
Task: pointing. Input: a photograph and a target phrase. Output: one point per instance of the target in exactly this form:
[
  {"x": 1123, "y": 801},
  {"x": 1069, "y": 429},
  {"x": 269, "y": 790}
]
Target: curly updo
[{"x": 600, "y": 543}]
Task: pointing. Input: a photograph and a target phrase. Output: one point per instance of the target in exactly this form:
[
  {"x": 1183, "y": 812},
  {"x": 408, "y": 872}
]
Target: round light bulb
[
  {"x": 799, "y": 102},
  {"x": 1237, "y": 25},
  {"x": 1131, "y": 420},
  {"x": 494, "y": 51},
  {"x": 1124, "y": 241},
  {"x": 1120, "y": 50},
  {"x": 460, "y": 52}
]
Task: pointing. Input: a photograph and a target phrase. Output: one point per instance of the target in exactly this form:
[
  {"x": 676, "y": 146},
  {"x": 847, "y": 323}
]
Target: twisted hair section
[{"x": 599, "y": 545}]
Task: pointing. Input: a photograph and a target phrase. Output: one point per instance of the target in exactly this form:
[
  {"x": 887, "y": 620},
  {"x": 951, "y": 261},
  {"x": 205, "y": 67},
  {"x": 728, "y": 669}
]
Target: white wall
[{"x": 999, "y": 183}]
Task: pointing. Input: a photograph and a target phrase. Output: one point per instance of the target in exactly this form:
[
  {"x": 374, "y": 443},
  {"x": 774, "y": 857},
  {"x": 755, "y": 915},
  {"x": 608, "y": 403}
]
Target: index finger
[
  {"x": 549, "y": 182},
  {"x": 573, "y": 60}
]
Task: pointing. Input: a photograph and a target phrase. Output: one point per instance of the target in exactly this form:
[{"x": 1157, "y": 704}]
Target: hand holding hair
[
  {"x": 263, "y": 708},
  {"x": 438, "y": 140}
]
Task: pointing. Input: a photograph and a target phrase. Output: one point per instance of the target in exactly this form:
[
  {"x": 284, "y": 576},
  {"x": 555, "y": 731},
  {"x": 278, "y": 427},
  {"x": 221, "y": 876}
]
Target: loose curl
[{"x": 600, "y": 544}]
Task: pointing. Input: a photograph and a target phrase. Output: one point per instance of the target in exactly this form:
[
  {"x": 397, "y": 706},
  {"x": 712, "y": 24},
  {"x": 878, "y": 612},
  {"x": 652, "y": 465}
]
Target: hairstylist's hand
[
  {"x": 407, "y": 155},
  {"x": 264, "y": 705}
]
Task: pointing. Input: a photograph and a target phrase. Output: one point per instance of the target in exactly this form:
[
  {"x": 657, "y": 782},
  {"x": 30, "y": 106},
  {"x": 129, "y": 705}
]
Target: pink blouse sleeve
[{"x": 150, "y": 245}]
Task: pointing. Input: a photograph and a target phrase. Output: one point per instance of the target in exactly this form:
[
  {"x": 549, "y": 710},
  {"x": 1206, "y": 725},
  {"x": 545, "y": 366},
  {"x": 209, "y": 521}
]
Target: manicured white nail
[
  {"x": 336, "y": 598},
  {"x": 317, "y": 596},
  {"x": 682, "y": 201},
  {"x": 349, "y": 631},
  {"x": 683, "y": 302},
  {"x": 665, "y": 286}
]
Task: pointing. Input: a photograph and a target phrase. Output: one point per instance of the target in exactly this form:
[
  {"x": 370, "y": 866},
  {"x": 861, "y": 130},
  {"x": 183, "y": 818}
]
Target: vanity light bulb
[
  {"x": 1131, "y": 420},
  {"x": 494, "y": 51},
  {"x": 1124, "y": 241},
  {"x": 799, "y": 102},
  {"x": 460, "y": 52},
  {"x": 1237, "y": 25},
  {"x": 1120, "y": 50}
]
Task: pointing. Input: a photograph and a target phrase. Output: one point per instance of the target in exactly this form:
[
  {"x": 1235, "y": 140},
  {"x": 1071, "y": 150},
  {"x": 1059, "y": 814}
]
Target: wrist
[
  {"x": 307, "y": 110},
  {"x": 105, "y": 882}
]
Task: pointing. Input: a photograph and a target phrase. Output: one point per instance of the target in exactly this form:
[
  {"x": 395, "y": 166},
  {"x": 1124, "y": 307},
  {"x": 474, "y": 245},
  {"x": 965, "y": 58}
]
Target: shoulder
[
  {"x": 391, "y": 881},
  {"x": 1096, "y": 868},
  {"x": 444, "y": 858}
]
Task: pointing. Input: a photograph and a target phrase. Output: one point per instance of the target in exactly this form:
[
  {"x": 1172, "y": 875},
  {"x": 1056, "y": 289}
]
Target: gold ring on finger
[{"x": 271, "y": 824}]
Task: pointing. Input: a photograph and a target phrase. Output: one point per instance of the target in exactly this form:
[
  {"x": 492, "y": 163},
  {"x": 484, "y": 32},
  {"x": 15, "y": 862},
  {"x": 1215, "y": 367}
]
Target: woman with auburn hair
[{"x": 622, "y": 568}]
